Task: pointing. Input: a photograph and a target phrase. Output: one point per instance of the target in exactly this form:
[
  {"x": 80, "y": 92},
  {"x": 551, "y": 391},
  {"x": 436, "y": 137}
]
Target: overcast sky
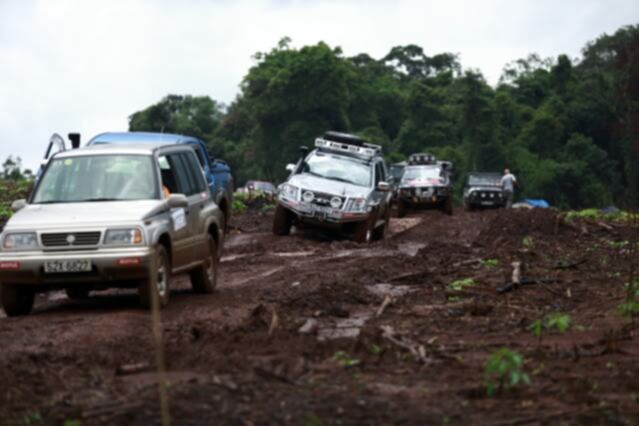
[{"x": 87, "y": 65}]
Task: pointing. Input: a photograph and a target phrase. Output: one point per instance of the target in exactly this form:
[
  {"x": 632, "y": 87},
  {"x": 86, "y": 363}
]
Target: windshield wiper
[{"x": 90, "y": 200}]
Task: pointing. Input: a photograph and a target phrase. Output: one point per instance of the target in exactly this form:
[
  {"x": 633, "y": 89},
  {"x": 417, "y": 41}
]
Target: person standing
[{"x": 508, "y": 182}]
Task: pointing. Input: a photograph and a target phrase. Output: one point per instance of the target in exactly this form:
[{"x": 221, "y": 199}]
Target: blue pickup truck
[{"x": 218, "y": 173}]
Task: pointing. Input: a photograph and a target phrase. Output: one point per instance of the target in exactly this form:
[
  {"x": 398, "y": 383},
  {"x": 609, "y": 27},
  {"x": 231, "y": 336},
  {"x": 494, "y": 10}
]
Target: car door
[
  {"x": 56, "y": 144},
  {"x": 174, "y": 182},
  {"x": 198, "y": 196}
]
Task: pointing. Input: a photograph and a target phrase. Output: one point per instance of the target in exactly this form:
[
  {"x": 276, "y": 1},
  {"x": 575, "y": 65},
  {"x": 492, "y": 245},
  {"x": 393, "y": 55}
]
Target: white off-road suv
[{"x": 342, "y": 184}]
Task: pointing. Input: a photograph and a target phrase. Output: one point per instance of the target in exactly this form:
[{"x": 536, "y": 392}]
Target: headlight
[
  {"x": 289, "y": 191},
  {"x": 356, "y": 205},
  {"x": 336, "y": 202},
  {"x": 308, "y": 196},
  {"x": 123, "y": 236},
  {"x": 21, "y": 241}
]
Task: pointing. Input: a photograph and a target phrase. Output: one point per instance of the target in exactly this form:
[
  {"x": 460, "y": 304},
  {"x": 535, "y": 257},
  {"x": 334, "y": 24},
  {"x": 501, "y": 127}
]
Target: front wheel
[
  {"x": 364, "y": 231},
  {"x": 204, "y": 278},
  {"x": 282, "y": 221},
  {"x": 16, "y": 300},
  {"x": 157, "y": 285},
  {"x": 401, "y": 208}
]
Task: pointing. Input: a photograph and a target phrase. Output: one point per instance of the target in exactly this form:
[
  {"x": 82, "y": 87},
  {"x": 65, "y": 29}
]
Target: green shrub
[
  {"x": 504, "y": 368},
  {"x": 459, "y": 285}
]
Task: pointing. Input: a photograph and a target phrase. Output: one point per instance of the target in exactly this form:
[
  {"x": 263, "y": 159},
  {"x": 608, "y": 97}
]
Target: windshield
[
  {"x": 396, "y": 171},
  {"x": 485, "y": 180},
  {"x": 97, "y": 178},
  {"x": 339, "y": 168},
  {"x": 425, "y": 172}
]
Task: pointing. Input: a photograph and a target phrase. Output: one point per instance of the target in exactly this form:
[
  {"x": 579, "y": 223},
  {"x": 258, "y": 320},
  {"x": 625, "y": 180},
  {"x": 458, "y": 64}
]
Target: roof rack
[{"x": 348, "y": 144}]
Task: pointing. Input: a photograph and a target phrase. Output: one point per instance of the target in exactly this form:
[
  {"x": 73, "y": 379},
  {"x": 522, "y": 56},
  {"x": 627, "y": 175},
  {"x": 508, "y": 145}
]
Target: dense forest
[{"x": 568, "y": 128}]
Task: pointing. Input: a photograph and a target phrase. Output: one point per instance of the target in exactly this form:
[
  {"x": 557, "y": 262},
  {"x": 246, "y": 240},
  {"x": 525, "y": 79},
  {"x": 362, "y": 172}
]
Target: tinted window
[{"x": 195, "y": 171}]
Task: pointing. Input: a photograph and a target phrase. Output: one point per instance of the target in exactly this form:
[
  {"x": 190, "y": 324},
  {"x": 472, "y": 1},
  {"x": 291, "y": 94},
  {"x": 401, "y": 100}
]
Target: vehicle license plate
[
  {"x": 486, "y": 203},
  {"x": 64, "y": 266},
  {"x": 321, "y": 213}
]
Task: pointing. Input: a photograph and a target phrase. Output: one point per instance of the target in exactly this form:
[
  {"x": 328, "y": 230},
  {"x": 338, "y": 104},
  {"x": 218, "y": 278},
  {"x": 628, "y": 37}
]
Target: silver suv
[
  {"x": 343, "y": 183},
  {"x": 112, "y": 216}
]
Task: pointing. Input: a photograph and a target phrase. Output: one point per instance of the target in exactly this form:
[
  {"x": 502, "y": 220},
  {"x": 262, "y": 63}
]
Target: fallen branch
[
  {"x": 526, "y": 281},
  {"x": 387, "y": 301},
  {"x": 418, "y": 351},
  {"x": 569, "y": 265},
  {"x": 132, "y": 368}
]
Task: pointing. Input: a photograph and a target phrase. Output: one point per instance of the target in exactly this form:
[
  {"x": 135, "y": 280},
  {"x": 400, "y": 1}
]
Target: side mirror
[
  {"x": 303, "y": 151},
  {"x": 18, "y": 204},
  {"x": 383, "y": 186},
  {"x": 290, "y": 167},
  {"x": 176, "y": 201}
]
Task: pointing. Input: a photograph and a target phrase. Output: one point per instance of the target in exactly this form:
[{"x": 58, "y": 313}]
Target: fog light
[{"x": 308, "y": 196}]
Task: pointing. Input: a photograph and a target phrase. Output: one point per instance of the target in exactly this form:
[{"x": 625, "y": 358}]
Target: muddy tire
[
  {"x": 467, "y": 206},
  {"x": 158, "y": 284},
  {"x": 447, "y": 205},
  {"x": 204, "y": 278},
  {"x": 16, "y": 300},
  {"x": 380, "y": 232},
  {"x": 282, "y": 221},
  {"x": 77, "y": 293},
  {"x": 364, "y": 231},
  {"x": 401, "y": 208}
]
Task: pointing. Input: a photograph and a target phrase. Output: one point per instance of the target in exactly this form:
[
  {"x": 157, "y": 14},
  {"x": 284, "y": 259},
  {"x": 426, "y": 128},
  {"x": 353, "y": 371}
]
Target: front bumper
[
  {"x": 424, "y": 195},
  {"x": 486, "y": 198},
  {"x": 308, "y": 212},
  {"x": 112, "y": 267}
]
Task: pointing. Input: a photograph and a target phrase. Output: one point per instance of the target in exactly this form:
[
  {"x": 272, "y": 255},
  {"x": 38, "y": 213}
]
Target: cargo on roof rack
[
  {"x": 421, "y": 159},
  {"x": 347, "y": 144}
]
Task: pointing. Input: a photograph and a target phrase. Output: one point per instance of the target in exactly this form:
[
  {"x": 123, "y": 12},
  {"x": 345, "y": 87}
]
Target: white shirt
[{"x": 508, "y": 182}]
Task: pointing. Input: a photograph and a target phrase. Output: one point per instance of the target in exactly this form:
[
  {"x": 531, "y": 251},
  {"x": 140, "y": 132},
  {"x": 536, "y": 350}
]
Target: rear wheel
[
  {"x": 447, "y": 206},
  {"x": 16, "y": 300},
  {"x": 401, "y": 208},
  {"x": 77, "y": 293},
  {"x": 158, "y": 284},
  {"x": 282, "y": 221},
  {"x": 204, "y": 278}
]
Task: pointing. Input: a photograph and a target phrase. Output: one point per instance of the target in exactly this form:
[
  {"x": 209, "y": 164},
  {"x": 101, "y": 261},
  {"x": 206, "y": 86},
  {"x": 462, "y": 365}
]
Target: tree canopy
[{"x": 568, "y": 128}]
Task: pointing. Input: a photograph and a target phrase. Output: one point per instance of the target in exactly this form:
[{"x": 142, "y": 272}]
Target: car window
[
  {"x": 195, "y": 171},
  {"x": 200, "y": 155}
]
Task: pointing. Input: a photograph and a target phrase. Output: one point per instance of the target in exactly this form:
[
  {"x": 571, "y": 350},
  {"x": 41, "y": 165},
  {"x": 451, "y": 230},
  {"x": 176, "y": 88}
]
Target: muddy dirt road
[{"x": 305, "y": 330}]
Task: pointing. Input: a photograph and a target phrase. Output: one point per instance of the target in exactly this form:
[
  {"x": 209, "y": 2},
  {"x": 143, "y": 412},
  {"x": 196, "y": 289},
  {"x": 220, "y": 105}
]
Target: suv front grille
[
  {"x": 70, "y": 239},
  {"x": 323, "y": 199}
]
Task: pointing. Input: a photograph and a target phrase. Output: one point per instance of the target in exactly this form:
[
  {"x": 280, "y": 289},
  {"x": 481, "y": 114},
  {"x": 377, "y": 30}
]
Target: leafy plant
[
  {"x": 528, "y": 243},
  {"x": 376, "y": 349},
  {"x": 490, "y": 262},
  {"x": 345, "y": 360},
  {"x": 459, "y": 285},
  {"x": 504, "y": 368},
  {"x": 630, "y": 308},
  {"x": 556, "y": 321},
  {"x": 239, "y": 206}
]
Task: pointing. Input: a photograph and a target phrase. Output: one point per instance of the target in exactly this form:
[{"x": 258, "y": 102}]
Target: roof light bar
[{"x": 367, "y": 150}]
